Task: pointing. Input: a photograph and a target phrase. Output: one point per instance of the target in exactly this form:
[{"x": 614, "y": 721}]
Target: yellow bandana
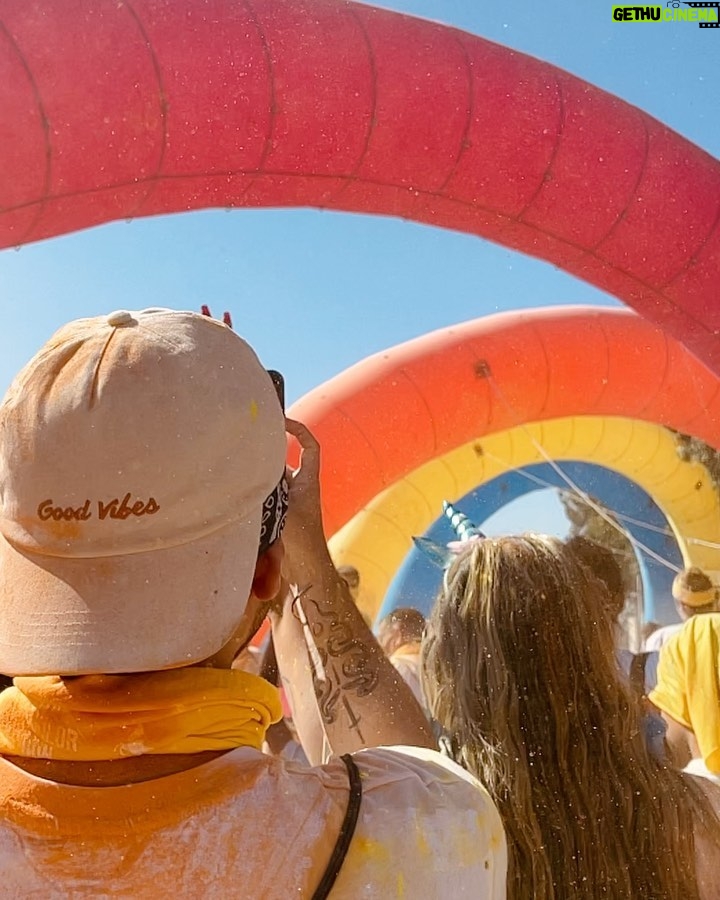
[{"x": 102, "y": 717}]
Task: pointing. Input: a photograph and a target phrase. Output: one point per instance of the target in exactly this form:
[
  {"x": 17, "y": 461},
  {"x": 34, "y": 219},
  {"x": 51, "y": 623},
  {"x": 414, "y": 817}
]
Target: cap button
[{"x": 120, "y": 317}]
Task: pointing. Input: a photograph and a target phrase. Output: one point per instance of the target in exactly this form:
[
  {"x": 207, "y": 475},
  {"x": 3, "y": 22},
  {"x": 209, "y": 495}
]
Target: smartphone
[{"x": 279, "y": 383}]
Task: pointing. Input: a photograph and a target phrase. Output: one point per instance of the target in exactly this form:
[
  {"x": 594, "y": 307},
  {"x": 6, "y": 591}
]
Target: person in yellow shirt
[
  {"x": 688, "y": 693},
  {"x": 144, "y": 494}
]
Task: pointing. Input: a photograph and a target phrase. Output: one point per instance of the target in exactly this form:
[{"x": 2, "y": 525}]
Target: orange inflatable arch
[{"x": 385, "y": 416}]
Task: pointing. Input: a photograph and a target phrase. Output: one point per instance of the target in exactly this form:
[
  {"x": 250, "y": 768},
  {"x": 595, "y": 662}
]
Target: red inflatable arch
[{"x": 111, "y": 110}]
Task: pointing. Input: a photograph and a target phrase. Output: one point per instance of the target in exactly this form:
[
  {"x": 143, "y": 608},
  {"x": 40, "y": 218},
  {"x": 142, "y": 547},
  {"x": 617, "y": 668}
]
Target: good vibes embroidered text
[{"x": 105, "y": 509}]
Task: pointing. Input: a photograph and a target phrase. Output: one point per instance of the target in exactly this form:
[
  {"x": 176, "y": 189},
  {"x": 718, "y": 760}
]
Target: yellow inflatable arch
[{"x": 378, "y": 537}]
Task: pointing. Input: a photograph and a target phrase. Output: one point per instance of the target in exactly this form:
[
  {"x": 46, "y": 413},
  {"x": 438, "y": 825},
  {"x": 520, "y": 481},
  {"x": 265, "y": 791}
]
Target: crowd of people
[{"x": 150, "y": 526}]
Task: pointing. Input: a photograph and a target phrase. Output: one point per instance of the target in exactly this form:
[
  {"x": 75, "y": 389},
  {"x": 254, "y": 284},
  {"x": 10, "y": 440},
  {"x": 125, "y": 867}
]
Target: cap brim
[{"x": 143, "y": 612}]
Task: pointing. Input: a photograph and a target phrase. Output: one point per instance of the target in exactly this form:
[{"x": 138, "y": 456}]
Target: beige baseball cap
[{"x": 136, "y": 451}]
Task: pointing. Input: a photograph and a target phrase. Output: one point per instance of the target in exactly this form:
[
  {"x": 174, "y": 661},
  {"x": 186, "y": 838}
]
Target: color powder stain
[
  {"x": 373, "y": 850},
  {"x": 401, "y": 885},
  {"x": 496, "y": 841},
  {"x": 422, "y": 843},
  {"x": 253, "y": 410},
  {"x": 465, "y": 843}
]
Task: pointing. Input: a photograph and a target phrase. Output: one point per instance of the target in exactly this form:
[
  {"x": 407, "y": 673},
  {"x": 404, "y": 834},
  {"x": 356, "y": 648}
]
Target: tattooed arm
[{"x": 344, "y": 692}]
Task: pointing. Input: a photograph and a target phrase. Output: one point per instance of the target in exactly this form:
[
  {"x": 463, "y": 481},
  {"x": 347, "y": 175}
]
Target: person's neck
[{"x": 113, "y": 772}]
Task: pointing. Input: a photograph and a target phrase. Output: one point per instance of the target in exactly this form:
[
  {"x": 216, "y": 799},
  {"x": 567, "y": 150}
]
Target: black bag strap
[
  {"x": 347, "y": 829},
  {"x": 637, "y": 673}
]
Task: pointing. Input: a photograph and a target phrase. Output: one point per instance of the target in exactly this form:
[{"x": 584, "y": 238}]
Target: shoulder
[
  {"x": 415, "y": 774},
  {"x": 436, "y": 826},
  {"x": 423, "y": 763},
  {"x": 412, "y": 776}
]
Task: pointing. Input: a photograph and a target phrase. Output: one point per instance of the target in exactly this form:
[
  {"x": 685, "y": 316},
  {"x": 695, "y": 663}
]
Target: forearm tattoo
[{"x": 343, "y": 666}]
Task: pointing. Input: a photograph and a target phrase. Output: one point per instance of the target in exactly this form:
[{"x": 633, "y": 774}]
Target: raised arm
[{"x": 344, "y": 692}]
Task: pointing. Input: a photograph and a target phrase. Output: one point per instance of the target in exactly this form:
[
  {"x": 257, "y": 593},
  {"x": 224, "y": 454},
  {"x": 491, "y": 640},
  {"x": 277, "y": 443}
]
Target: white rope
[{"x": 574, "y": 488}]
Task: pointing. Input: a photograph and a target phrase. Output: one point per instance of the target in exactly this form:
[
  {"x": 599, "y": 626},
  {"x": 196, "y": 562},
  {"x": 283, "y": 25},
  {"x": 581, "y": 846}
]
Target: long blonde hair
[{"x": 520, "y": 672}]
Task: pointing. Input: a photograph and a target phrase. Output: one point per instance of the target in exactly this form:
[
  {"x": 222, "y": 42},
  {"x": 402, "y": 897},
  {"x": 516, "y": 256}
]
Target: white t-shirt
[
  {"x": 662, "y": 636},
  {"x": 248, "y": 825}
]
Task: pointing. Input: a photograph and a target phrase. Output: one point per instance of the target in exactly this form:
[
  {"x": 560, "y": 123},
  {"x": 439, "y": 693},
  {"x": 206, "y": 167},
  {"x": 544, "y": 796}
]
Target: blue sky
[{"x": 314, "y": 291}]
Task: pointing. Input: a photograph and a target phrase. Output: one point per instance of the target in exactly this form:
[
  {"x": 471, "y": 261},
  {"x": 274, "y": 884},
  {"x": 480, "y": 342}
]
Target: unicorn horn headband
[{"x": 466, "y": 530}]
